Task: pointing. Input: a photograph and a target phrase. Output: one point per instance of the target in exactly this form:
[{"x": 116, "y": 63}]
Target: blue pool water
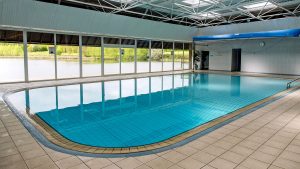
[{"x": 142, "y": 111}]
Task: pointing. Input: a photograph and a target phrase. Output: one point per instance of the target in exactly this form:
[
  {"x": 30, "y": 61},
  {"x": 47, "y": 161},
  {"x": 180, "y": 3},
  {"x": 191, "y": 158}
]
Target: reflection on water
[{"x": 142, "y": 111}]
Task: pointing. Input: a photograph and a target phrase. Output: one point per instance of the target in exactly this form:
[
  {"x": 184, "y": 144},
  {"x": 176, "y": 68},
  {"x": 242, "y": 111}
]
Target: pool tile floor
[{"x": 266, "y": 138}]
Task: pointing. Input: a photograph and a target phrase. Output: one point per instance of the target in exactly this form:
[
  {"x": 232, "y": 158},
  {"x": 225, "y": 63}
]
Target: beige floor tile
[
  {"x": 6, "y": 145},
  {"x": 175, "y": 167},
  {"x": 146, "y": 158},
  {"x": 112, "y": 166},
  {"x": 286, "y": 164},
  {"x": 274, "y": 167},
  {"x": 203, "y": 157},
  {"x": 222, "y": 164},
  {"x": 8, "y": 160},
  {"x": 233, "y": 157},
  {"x": 266, "y": 158},
  {"x": 207, "y": 139},
  {"x": 8, "y": 152},
  {"x": 80, "y": 166},
  {"x": 214, "y": 150},
  {"x": 190, "y": 163},
  {"x": 186, "y": 150},
  {"x": 129, "y": 163},
  {"x": 29, "y": 147},
  {"x": 242, "y": 150},
  {"x": 270, "y": 150},
  {"x": 114, "y": 160},
  {"x": 208, "y": 167},
  {"x": 293, "y": 148},
  {"x": 85, "y": 158},
  {"x": 224, "y": 144},
  {"x": 58, "y": 156},
  {"x": 290, "y": 156},
  {"x": 98, "y": 163},
  {"x": 254, "y": 164},
  {"x": 249, "y": 144},
  {"x": 159, "y": 163},
  {"x": 174, "y": 156},
  {"x": 231, "y": 139},
  {"x": 68, "y": 162},
  {"x": 144, "y": 166},
  {"x": 38, "y": 161},
  {"x": 32, "y": 154},
  {"x": 198, "y": 144},
  {"x": 47, "y": 166},
  {"x": 16, "y": 165}
]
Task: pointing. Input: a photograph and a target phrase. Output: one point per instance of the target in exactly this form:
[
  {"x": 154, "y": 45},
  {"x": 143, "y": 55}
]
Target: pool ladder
[{"x": 288, "y": 85}]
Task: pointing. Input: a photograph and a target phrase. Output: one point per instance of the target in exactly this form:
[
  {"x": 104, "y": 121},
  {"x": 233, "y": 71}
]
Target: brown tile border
[{"x": 61, "y": 141}]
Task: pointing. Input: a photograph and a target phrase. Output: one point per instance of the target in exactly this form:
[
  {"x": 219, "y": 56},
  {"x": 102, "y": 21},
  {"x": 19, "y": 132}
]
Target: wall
[
  {"x": 31, "y": 14},
  {"x": 279, "y": 55}
]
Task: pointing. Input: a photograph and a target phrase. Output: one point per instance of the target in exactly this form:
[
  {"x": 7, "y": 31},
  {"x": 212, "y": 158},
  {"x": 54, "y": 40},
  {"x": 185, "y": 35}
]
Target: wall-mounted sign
[{"x": 51, "y": 50}]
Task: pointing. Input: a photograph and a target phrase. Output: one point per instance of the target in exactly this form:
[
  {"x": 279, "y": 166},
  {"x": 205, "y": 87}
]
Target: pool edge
[{"x": 54, "y": 140}]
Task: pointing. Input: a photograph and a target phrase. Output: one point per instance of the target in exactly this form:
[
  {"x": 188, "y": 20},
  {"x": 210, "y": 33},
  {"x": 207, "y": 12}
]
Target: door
[
  {"x": 204, "y": 63},
  {"x": 236, "y": 60}
]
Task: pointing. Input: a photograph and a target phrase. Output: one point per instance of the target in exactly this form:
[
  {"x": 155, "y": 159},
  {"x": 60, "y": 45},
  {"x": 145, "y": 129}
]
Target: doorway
[
  {"x": 236, "y": 60},
  {"x": 204, "y": 62}
]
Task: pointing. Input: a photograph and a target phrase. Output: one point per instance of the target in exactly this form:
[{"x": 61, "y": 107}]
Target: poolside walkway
[{"x": 266, "y": 138}]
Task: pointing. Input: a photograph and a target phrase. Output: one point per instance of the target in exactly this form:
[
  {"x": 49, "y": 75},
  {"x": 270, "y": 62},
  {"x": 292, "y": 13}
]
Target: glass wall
[
  {"x": 41, "y": 63},
  {"x": 178, "y": 56},
  {"x": 156, "y": 56},
  {"x": 142, "y": 56},
  {"x": 67, "y": 51},
  {"x": 11, "y": 56},
  {"x": 168, "y": 56},
  {"x": 186, "y": 56},
  {"x": 111, "y": 56},
  {"x": 91, "y": 56},
  {"x": 120, "y": 56}
]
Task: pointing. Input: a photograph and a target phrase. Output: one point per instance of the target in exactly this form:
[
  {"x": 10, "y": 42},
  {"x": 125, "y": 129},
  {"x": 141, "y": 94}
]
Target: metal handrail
[{"x": 288, "y": 85}]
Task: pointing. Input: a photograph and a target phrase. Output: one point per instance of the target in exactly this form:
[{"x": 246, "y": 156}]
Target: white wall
[
  {"x": 280, "y": 55},
  {"x": 39, "y": 15}
]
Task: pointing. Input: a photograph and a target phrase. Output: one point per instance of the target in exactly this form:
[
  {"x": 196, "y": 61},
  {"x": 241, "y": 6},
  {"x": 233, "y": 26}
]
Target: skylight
[
  {"x": 123, "y": 1},
  {"x": 260, "y": 5},
  {"x": 205, "y": 15},
  {"x": 196, "y": 2}
]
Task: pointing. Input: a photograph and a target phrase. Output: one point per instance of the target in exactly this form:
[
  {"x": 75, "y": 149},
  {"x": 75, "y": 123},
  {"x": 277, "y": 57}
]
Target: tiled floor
[{"x": 266, "y": 138}]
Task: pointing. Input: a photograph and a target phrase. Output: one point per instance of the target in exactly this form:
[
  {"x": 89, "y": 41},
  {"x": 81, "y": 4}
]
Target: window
[
  {"x": 186, "y": 56},
  {"x": 168, "y": 56},
  {"x": 178, "y": 56},
  {"x": 91, "y": 56},
  {"x": 11, "y": 56},
  {"x": 156, "y": 56},
  {"x": 111, "y": 56},
  {"x": 142, "y": 56},
  {"x": 127, "y": 56},
  {"x": 67, "y": 51},
  {"x": 41, "y": 64}
]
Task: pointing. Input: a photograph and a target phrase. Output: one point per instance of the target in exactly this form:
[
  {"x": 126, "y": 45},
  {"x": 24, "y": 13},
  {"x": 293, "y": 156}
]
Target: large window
[
  {"x": 156, "y": 56},
  {"x": 91, "y": 56},
  {"x": 127, "y": 56},
  {"x": 178, "y": 56},
  {"x": 186, "y": 56},
  {"x": 168, "y": 56},
  {"x": 11, "y": 56},
  {"x": 111, "y": 56},
  {"x": 67, "y": 51},
  {"x": 41, "y": 64},
  {"x": 142, "y": 56}
]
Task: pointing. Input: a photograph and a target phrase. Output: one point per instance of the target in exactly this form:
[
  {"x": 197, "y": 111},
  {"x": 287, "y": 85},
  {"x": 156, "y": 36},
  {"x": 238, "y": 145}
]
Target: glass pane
[
  {"x": 67, "y": 51},
  {"x": 156, "y": 56},
  {"x": 168, "y": 57},
  {"x": 178, "y": 56},
  {"x": 111, "y": 61},
  {"x": 127, "y": 62},
  {"x": 41, "y": 64},
  {"x": 91, "y": 61},
  {"x": 11, "y": 62},
  {"x": 186, "y": 59},
  {"x": 142, "y": 56}
]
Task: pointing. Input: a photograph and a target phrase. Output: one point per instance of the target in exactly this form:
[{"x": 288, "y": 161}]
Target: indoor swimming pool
[{"x": 142, "y": 111}]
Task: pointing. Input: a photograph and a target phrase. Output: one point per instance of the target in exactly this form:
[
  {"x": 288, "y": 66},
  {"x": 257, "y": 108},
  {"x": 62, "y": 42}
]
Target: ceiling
[{"x": 197, "y": 13}]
